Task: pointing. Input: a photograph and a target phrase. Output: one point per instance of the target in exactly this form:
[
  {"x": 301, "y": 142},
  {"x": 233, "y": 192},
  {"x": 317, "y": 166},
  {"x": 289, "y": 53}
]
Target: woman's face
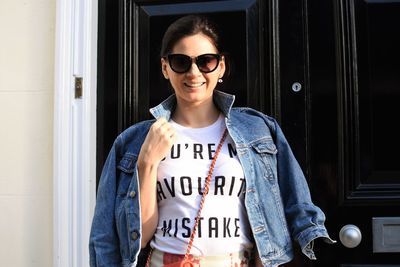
[{"x": 193, "y": 87}]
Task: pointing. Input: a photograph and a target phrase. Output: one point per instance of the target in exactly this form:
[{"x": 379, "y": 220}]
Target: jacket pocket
[
  {"x": 126, "y": 167},
  {"x": 127, "y": 163},
  {"x": 265, "y": 151}
]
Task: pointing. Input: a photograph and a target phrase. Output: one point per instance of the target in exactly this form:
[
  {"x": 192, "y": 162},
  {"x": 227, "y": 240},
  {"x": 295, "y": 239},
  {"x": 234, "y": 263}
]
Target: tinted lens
[
  {"x": 207, "y": 62},
  {"x": 180, "y": 63}
]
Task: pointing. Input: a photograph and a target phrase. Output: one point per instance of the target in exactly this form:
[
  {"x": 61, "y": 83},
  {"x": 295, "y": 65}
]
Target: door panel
[
  {"x": 369, "y": 75},
  {"x": 354, "y": 81},
  {"x": 379, "y": 95}
]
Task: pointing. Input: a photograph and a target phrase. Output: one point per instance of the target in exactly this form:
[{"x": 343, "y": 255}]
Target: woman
[{"x": 161, "y": 189}]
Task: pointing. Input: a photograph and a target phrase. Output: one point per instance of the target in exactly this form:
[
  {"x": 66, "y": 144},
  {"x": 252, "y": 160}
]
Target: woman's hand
[{"x": 157, "y": 144}]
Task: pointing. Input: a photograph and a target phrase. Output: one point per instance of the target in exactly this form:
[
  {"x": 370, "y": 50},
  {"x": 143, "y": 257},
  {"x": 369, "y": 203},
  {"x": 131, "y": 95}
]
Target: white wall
[{"x": 26, "y": 132}]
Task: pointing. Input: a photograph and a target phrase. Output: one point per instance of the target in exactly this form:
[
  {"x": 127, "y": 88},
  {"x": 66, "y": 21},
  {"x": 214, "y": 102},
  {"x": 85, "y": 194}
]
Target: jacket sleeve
[
  {"x": 305, "y": 220},
  {"x": 104, "y": 242}
]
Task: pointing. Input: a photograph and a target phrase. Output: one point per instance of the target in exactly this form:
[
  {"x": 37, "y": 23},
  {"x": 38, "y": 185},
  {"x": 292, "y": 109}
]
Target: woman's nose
[{"x": 194, "y": 70}]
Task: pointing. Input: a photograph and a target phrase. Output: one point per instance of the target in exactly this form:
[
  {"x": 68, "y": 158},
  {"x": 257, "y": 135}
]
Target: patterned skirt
[{"x": 238, "y": 259}]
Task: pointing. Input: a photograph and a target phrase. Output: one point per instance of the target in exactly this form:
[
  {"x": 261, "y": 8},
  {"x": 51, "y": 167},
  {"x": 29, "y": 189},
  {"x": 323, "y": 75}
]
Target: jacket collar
[{"x": 165, "y": 109}]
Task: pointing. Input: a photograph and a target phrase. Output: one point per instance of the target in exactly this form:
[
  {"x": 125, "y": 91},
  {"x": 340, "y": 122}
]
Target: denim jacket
[{"x": 277, "y": 198}]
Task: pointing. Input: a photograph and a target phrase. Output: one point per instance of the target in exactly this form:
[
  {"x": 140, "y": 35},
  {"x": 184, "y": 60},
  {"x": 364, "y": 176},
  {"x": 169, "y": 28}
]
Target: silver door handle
[{"x": 350, "y": 236}]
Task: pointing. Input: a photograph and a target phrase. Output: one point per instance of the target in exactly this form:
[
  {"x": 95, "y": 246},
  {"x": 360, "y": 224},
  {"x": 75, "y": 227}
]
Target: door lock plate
[{"x": 386, "y": 234}]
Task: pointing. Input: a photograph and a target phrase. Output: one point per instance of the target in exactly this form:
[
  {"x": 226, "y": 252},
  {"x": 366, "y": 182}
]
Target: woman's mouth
[{"x": 194, "y": 85}]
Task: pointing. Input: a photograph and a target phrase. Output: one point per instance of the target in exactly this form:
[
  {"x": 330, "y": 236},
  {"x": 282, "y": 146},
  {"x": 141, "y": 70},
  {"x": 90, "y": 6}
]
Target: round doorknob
[{"x": 350, "y": 236}]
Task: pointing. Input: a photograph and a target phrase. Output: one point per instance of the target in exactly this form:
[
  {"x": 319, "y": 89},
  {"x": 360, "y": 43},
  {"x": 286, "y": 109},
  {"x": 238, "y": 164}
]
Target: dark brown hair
[{"x": 187, "y": 26}]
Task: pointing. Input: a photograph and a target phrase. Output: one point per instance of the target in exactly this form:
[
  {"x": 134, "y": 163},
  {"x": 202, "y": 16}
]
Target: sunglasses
[{"x": 182, "y": 63}]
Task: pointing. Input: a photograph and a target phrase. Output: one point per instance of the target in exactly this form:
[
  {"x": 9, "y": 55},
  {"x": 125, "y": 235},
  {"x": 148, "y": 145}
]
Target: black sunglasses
[{"x": 182, "y": 63}]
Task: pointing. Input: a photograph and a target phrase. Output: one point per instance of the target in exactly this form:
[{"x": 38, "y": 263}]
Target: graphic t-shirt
[{"x": 223, "y": 227}]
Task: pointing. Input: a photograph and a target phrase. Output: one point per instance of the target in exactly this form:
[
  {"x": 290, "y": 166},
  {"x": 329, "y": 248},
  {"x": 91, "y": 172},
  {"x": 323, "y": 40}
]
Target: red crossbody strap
[{"x": 205, "y": 192}]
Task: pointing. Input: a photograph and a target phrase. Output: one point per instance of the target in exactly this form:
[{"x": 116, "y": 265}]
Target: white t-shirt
[{"x": 223, "y": 227}]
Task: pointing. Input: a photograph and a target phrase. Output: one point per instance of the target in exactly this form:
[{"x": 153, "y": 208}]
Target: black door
[
  {"x": 353, "y": 71},
  {"x": 327, "y": 70},
  {"x": 340, "y": 66}
]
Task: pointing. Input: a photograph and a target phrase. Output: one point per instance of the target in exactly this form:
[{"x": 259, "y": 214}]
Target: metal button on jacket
[
  {"x": 132, "y": 194},
  {"x": 134, "y": 235}
]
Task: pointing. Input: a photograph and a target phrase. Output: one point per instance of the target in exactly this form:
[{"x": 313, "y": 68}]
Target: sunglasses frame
[{"x": 195, "y": 60}]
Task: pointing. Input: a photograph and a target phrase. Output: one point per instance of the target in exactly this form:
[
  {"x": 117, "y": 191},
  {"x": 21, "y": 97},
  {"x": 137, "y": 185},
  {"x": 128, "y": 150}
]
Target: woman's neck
[{"x": 196, "y": 116}]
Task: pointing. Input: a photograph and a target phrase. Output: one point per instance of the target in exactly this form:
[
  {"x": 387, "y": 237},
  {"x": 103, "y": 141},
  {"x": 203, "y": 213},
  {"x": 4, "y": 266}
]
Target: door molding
[
  {"x": 370, "y": 186},
  {"x": 74, "y": 173}
]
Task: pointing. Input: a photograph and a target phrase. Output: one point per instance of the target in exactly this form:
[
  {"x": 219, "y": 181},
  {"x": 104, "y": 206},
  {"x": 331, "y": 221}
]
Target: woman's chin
[{"x": 195, "y": 95}]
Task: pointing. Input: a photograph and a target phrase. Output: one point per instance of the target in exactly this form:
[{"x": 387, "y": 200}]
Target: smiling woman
[
  {"x": 164, "y": 197},
  {"x": 195, "y": 80}
]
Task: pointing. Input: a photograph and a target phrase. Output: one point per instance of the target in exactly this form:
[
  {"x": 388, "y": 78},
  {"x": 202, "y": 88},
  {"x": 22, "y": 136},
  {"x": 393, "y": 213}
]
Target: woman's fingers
[
  {"x": 158, "y": 141},
  {"x": 162, "y": 130}
]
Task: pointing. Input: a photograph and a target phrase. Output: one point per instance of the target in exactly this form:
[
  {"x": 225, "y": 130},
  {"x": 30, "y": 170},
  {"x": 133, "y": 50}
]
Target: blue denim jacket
[{"x": 277, "y": 197}]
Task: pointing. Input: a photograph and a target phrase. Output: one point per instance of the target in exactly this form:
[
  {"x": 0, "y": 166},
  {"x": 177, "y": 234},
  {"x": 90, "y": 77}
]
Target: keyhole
[{"x": 296, "y": 87}]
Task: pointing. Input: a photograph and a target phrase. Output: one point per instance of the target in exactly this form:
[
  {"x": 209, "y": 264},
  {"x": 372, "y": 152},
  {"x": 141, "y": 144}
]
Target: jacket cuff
[{"x": 307, "y": 237}]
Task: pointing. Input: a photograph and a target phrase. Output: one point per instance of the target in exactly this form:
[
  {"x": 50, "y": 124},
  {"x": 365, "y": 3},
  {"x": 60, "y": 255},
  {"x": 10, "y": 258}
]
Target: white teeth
[{"x": 194, "y": 84}]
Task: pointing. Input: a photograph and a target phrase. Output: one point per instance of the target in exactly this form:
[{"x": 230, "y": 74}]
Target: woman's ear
[
  {"x": 164, "y": 66},
  {"x": 222, "y": 67}
]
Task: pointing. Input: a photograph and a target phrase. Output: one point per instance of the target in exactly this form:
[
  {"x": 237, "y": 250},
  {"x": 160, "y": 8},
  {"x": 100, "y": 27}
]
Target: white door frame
[{"x": 74, "y": 181}]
